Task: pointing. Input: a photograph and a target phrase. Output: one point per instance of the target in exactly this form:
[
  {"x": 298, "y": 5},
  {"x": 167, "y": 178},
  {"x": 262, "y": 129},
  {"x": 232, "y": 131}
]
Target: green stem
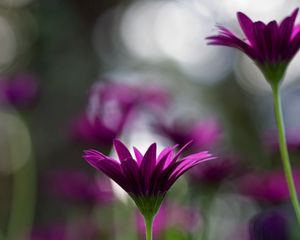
[
  {"x": 149, "y": 225},
  {"x": 284, "y": 151},
  {"x": 23, "y": 202}
]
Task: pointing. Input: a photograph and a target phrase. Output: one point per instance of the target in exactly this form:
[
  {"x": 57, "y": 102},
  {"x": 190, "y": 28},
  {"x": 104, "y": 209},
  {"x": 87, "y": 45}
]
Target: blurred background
[{"x": 77, "y": 74}]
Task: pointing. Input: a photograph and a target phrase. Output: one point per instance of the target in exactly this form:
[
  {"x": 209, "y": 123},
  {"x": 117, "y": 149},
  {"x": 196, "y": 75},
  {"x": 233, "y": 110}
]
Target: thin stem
[
  {"x": 284, "y": 151},
  {"x": 149, "y": 225}
]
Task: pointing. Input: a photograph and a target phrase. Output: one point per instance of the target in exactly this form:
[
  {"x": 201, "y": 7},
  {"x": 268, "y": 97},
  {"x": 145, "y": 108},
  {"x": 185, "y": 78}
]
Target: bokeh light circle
[{"x": 15, "y": 143}]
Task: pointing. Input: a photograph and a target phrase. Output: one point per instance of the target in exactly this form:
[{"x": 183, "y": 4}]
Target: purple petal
[
  {"x": 296, "y": 30},
  {"x": 286, "y": 29},
  {"x": 131, "y": 172},
  {"x": 138, "y": 155},
  {"x": 93, "y": 157},
  {"x": 148, "y": 164},
  {"x": 181, "y": 168},
  {"x": 113, "y": 170},
  {"x": 247, "y": 26},
  {"x": 121, "y": 150}
]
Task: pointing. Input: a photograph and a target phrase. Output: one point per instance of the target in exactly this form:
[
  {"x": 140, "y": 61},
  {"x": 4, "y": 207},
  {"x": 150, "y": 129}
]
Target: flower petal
[
  {"x": 247, "y": 26},
  {"x": 122, "y": 151},
  {"x": 148, "y": 164},
  {"x": 131, "y": 172}
]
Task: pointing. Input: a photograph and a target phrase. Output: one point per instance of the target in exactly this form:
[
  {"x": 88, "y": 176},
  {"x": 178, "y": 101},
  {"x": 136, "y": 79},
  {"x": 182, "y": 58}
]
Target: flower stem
[
  {"x": 149, "y": 225},
  {"x": 284, "y": 151}
]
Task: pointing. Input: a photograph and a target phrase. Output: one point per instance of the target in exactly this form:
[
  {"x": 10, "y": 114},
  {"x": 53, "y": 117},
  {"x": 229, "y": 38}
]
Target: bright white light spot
[
  {"x": 15, "y": 143},
  {"x": 137, "y": 29},
  {"x": 8, "y": 43},
  {"x": 266, "y": 10},
  {"x": 175, "y": 31}
]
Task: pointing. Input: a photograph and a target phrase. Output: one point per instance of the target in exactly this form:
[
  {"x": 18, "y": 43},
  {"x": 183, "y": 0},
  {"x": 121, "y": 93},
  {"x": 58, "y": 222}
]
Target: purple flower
[
  {"x": 271, "y": 225},
  {"x": 271, "y": 46},
  {"x": 203, "y": 134},
  {"x": 171, "y": 215},
  {"x": 214, "y": 172},
  {"x": 77, "y": 229},
  {"x": 96, "y": 131},
  {"x": 116, "y": 98},
  {"x": 268, "y": 186},
  {"x": 50, "y": 232},
  {"x": 80, "y": 187},
  {"x": 292, "y": 140},
  {"x": 20, "y": 90},
  {"x": 146, "y": 178}
]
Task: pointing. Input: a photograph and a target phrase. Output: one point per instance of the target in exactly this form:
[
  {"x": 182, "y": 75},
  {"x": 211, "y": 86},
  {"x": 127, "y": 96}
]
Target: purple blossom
[
  {"x": 96, "y": 131},
  {"x": 214, "y": 172},
  {"x": 292, "y": 140},
  {"x": 268, "y": 186},
  {"x": 20, "y": 90},
  {"x": 78, "y": 229},
  {"x": 147, "y": 177},
  {"x": 203, "y": 134},
  {"x": 171, "y": 215},
  {"x": 271, "y": 46},
  {"x": 116, "y": 98},
  {"x": 112, "y": 106},
  {"x": 80, "y": 187},
  {"x": 271, "y": 225}
]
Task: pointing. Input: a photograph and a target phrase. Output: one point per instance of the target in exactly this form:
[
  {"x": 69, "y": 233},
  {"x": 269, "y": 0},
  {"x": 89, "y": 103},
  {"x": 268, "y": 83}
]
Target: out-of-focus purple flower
[
  {"x": 78, "y": 229},
  {"x": 20, "y": 90},
  {"x": 292, "y": 140},
  {"x": 268, "y": 186},
  {"x": 169, "y": 216},
  {"x": 112, "y": 106},
  {"x": 204, "y": 134},
  {"x": 96, "y": 131},
  {"x": 147, "y": 178},
  {"x": 271, "y": 225},
  {"x": 116, "y": 98},
  {"x": 271, "y": 46},
  {"x": 50, "y": 232},
  {"x": 80, "y": 187},
  {"x": 214, "y": 172}
]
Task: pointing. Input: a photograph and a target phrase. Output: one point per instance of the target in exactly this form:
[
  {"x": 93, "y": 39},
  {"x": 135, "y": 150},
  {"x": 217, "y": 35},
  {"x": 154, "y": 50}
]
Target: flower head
[
  {"x": 146, "y": 178},
  {"x": 214, "y": 172},
  {"x": 269, "y": 225},
  {"x": 203, "y": 134},
  {"x": 19, "y": 90},
  {"x": 268, "y": 186},
  {"x": 80, "y": 187},
  {"x": 96, "y": 131},
  {"x": 271, "y": 46}
]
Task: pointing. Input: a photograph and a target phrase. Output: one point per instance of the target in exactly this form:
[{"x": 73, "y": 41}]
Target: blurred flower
[
  {"x": 95, "y": 131},
  {"x": 268, "y": 186},
  {"x": 19, "y": 90},
  {"x": 214, "y": 172},
  {"x": 148, "y": 178},
  {"x": 204, "y": 134},
  {"x": 169, "y": 216},
  {"x": 271, "y": 225},
  {"x": 271, "y": 46},
  {"x": 116, "y": 98},
  {"x": 80, "y": 187},
  {"x": 76, "y": 229},
  {"x": 51, "y": 232},
  {"x": 292, "y": 140},
  {"x": 111, "y": 107}
]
